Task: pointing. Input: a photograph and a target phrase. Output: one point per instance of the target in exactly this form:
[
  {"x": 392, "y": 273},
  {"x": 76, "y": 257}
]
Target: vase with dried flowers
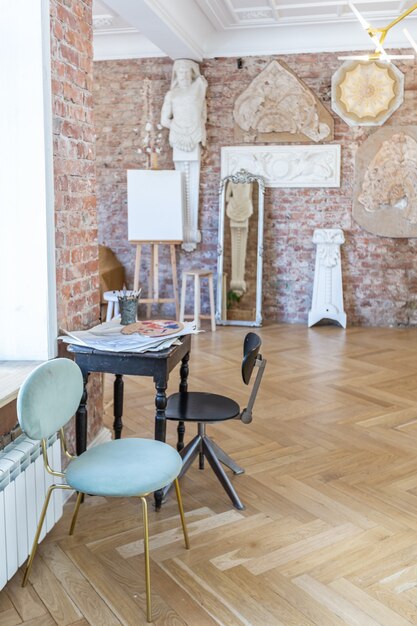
[{"x": 151, "y": 143}]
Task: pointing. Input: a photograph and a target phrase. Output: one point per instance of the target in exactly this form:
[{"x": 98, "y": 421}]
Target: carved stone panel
[
  {"x": 286, "y": 166},
  {"x": 366, "y": 93},
  {"x": 278, "y": 107},
  {"x": 385, "y": 197}
]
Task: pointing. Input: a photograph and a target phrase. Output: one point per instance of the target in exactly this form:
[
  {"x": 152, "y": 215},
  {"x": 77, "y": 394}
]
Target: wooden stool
[
  {"x": 198, "y": 275},
  {"x": 111, "y": 297}
]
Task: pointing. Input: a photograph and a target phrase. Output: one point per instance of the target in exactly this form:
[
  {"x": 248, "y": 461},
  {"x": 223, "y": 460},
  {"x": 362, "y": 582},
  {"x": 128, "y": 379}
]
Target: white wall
[{"x": 27, "y": 250}]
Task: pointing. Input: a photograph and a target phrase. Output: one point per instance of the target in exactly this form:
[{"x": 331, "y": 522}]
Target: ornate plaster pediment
[
  {"x": 278, "y": 107},
  {"x": 366, "y": 93},
  {"x": 386, "y": 187}
]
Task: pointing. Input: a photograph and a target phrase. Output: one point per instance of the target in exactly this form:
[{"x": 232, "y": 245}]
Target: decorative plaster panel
[
  {"x": 278, "y": 107},
  {"x": 366, "y": 93},
  {"x": 286, "y": 166},
  {"x": 385, "y": 198}
]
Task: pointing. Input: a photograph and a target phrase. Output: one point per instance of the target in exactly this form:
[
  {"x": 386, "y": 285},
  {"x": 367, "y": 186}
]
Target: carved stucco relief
[
  {"x": 366, "y": 93},
  {"x": 386, "y": 187},
  {"x": 239, "y": 208},
  {"x": 286, "y": 166},
  {"x": 278, "y": 107}
]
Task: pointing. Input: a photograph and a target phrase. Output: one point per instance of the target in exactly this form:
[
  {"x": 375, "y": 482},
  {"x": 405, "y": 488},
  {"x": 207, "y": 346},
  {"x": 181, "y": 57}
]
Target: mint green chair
[{"x": 48, "y": 398}]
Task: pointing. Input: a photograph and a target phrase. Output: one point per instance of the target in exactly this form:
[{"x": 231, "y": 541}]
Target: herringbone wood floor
[{"x": 329, "y": 535}]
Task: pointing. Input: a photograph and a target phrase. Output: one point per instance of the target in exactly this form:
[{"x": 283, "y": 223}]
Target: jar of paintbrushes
[{"x": 128, "y": 305}]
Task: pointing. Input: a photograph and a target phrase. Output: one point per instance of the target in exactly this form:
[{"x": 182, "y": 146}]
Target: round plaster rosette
[{"x": 366, "y": 93}]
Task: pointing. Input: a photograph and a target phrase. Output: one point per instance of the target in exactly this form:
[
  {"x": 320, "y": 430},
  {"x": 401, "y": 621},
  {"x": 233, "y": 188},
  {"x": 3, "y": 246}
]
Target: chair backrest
[
  {"x": 251, "y": 357},
  {"x": 49, "y": 397},
  {"x": 251, "y": 347}
]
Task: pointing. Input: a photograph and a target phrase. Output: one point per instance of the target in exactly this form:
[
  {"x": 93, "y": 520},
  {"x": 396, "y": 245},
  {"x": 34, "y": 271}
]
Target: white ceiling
[{"x": 212, "y": 28}]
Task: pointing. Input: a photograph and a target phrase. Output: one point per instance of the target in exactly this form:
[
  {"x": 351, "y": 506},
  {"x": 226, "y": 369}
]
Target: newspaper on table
[{"x": 108, "y": 336}]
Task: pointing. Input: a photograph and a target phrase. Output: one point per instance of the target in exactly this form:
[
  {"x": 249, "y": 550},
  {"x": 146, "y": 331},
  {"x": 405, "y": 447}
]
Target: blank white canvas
[{"x": 155, "y": 200}]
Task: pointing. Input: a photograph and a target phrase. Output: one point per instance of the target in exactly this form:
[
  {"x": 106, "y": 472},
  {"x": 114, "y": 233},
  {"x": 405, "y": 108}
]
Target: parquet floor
[{"x": 329, "y": 535}]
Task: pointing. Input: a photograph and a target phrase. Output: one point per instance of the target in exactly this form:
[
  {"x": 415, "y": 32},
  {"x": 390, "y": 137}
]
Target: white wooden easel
[{"x": 153, "y": 284}]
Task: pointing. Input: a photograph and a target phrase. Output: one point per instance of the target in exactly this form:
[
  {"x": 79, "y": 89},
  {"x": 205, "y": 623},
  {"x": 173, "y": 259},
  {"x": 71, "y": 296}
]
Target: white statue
[
  {"x": 184, "y": 112},
  {"x": 239, "y": 208}
]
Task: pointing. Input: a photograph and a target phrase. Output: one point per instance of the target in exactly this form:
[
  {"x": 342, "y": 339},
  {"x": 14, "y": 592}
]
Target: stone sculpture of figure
[
  {"x": 184, "y": 110},
  {"x": 239, "y": 208}
]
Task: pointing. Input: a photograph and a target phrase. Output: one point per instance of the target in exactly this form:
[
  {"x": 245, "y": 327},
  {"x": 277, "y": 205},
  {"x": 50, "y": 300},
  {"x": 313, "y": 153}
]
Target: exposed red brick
[
  {"x": 378, "y": 275},
  {"x": 74, "y": 175}
]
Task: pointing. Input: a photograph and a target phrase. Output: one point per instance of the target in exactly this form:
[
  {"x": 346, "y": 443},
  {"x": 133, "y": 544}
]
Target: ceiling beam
[{"x": 174, "y": 33}]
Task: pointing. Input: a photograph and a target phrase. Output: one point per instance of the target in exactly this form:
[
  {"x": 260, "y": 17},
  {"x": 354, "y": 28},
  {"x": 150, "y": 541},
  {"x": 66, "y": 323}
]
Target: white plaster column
[
  {"x": 327, "y": 290},
  {"x": 189, "y": 163}
]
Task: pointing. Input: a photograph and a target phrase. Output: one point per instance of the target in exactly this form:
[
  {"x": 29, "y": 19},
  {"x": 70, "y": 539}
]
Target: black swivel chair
[{"x": 205, "y": 408}]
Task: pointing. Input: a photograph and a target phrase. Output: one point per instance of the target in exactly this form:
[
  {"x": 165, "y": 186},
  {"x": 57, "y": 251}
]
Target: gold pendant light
[{"x": 378, "y": 36}]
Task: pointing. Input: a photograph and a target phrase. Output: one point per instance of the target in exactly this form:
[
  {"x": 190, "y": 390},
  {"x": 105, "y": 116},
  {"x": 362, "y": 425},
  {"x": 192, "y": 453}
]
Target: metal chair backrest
[
  {"x": 251, "y": 358},
  {"x": 251, "y": 347},
  {"x": 49, "y": 397}
]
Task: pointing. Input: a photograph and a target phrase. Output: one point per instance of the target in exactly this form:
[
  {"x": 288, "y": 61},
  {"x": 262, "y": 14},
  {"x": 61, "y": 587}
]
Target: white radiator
[{"x": 23, "y": 485}]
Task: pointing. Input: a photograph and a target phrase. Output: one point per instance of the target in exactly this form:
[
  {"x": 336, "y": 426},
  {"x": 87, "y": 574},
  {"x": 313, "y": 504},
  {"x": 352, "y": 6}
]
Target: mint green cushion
[{"x": 124, "y": 467}]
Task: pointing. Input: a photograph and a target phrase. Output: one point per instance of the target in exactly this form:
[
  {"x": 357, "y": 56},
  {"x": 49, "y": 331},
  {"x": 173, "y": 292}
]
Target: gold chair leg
[
  {"x": 75, "y": 514},
  {"x": 147, "y": 564},
  {"x": 38, "y": 530},
  {"x": 184, "y": 525}
]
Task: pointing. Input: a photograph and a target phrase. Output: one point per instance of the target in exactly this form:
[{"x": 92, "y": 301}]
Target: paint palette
[{"x": 154, "y": 328}]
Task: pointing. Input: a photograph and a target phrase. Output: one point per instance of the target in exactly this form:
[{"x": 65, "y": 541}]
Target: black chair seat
[{"x": 197, "y": 406}]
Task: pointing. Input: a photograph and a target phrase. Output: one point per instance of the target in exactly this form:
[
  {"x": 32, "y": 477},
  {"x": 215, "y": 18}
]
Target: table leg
[
  {"x": 81, "y": 420},
  {"x": 109, "y": 314},
  {"x": 160, "y": 427},
  {"x": 118, "y": 405},
  {"x": 183, "y": 388}
]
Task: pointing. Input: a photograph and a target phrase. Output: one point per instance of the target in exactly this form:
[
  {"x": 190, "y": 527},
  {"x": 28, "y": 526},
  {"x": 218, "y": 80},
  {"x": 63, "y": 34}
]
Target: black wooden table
[{"x": 158, "y": 365}]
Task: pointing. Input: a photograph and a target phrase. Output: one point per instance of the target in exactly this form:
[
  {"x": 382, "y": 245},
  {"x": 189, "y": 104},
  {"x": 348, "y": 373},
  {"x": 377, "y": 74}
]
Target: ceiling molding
[
  {"x": 218, "y": 12},
  {"x": 177, "y": 27},
  {"x": 295, "y": 39},
  {"x": 124, "y": 45},
  {"x": 102, "y": 21},
  {"x": 198, "y": 29},
  {"x": 225, "y": 14}
]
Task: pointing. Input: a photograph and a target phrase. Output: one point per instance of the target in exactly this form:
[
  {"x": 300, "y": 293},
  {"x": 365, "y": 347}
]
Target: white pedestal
[
  {"x": 189, "y": 163},
  {"x": 327, "y": 291}
]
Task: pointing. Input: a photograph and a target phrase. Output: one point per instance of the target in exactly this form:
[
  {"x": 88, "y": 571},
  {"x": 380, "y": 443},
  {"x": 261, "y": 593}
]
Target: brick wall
[
  {"x": 74, "y": 188},
  {"x": 379, "y": 274},
  {"x": 74, "y": 176}
]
